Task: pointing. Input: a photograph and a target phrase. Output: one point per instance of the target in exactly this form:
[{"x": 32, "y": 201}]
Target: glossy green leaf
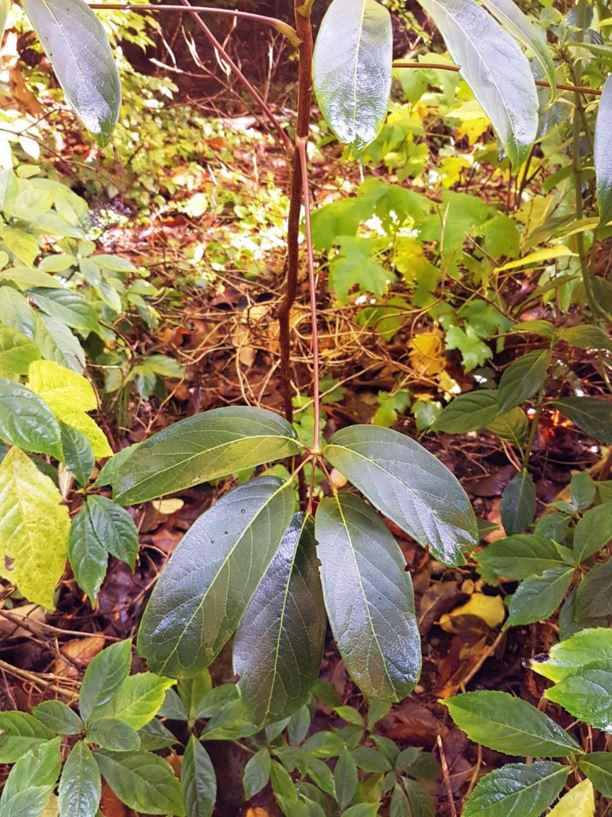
[
  {"x": 517, "y": 788},
  {"x": 510, "y": 725},
  {"x": 77, "y": 46},
  {"x": 518, "y": 557},
  {"x": 537, "y": 598},
  {"x": 586, "y": 336},
  {"x": 79, "y": 457},
  {"x": 468, "y": 412},
  {"x": 200, "y": 449},
  {"x": 137, "y": 700},
  {"x": 20, "y": 732},
  {"x": 100, "y": 527},
  {"x": 523, "y": 378},
  {"x": 256, "y": 773},
  {"x": 198, "y": 780},
  {"x": 494, "y": 67},
  {"x": 408, "y": 485},
  {"x": 352, "y": 68},
  {"x": 58, "y": 717},
  {"x": 593, "y": 596},
  {"x": 278, "y": 647},
  {"x": 27, "y": 422},
  {"x": 518, "y": 503},
  {"x": 80, "y": 788},
  {"x": 593, "y": 531},
  {"x": 586, "y": 695},
  {"x": 143, "y": 781},
  {"x": 598, "y": 768},
  {"x": 31, "y": 781},
  {"x": 345, "y": 779},
  {"x": 603, "y": 153},
  {"x": 212, "y": 576},
  {"x": 589, "y": 414},
  {"x": 369, "y": 598},
  {"x": 104, "y": 676},
  {"x": 113, "y": 734},
  {"x": 17, "y": 351},
  {"x": 583, "y": 649}
]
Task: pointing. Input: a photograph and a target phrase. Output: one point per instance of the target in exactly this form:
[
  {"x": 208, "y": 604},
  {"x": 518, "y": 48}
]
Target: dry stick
[{"x": 446, "y": 776}]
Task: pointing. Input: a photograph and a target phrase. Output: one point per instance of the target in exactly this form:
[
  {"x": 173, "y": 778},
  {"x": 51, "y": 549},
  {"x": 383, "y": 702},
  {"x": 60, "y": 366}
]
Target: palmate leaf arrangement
[{"x": 254, "y": 566}]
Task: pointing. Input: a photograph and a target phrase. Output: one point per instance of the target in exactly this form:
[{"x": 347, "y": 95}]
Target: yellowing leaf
[
  {"x": 34, "y": 528},
  {"x": 488, "y": 608},
  {"x": 167, "y": 506},
  {"x": 474, "y": 121},
  {"x": 578, "y": 802},
  {"x": 548, "y": 254},
  {"x": 451, "y": 168},
  {"x": 51, "y": 809},
  {"x": 427, "y": 353},
  {"x": 69, "y": 396}
]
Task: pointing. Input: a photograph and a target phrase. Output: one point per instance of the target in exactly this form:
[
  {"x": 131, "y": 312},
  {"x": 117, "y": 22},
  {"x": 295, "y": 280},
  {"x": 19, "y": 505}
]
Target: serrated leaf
[
  {"x": 510, "y": 725},
  {"x": 587, "y": 695},
  {"x": 570, "y": 656},
  {"x": 20, "y": 732},
  {"x": 352, "y": 68},
  {"x": 369, "y": 598},
  {"x": 518, "y": 503},
  {"x": 143, "y": 781},
  {"x": 598, "y": 768},
  {"x": 17, "y": 351},
  {"x": 278, "y": 647},
  {"x": 538, "y": 597},
  {"x": 200, "y": 449},
  {"x": 495, "y": 68},
  {"x": 523, "y": 378},
  {"x": 58, "y": 717},
  {"x": 409, "y": 486},
  {"x": 586, "y": 336},
  {"x": 603, "y": 153},
  {"x": 468, "y": 412},
  {"x": 519, "y": 557},
  {"x": 198, "y": 780},
  {"x": 517, "y": 789},
  {"x": 137, "y": 700},
  {"x": 578, "y": 802},
  {"x": 212, "y": 576},
  {"x": 26, "y": 420},
  {"x": 78, "y": 48},
  {"x": 80, "y": 787},
  {"x": 593, "y": 531},
  {"x": 104, "y": 676},
  {"x": 34, "y": 528},
  {"x": 593, "y": 597},
  {"x": 589, "y": 414},
  {"x": 79, "y": 457},
  {"x": 113, "y": 734}
]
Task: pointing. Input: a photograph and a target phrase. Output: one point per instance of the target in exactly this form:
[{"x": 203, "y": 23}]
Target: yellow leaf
[
  {"x": 69, "y": 396},
  {"x": 167, "y": 506},
  {"x": 451, "y": 168},
  {"x": 34, "y": 529},
  {"x": 488, "y": 608},
  {"x": 578, "y": 802},
  {"x": 52, "y": 807},
  {"x": 548, "y": 254},
  {"x": 426, "y": 355}
]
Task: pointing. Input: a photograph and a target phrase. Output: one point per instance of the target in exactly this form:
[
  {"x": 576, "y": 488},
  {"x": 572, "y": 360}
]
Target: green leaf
[
  {"x": 345, "y": 779},
  {"x": 362, "y": 810},
  {"x": 589, "y": 414},
  {"x": 58, "y": 717},
  {"x": 523, "y": 378},
  {"x": 155, "y": 736},
  {"x": 80, "y": 787},
  {"x": 369, "y": 598},
  {"x": 512, "y": 426},
  {"x": 583, "y": 490},
  {"x": 538, "y": 597},
  {"x": 352, "y": 69},
  {"x": 586, "y": 336},
  {"x": 569, "y": 624},
  {"x": 570, "y": 656},
  {"x": 143, "y": 781},
  {"x": 198, "y": 780},
  {"x": 468, "y": 412},
  {"x": 113, "y": 734},
  {"x": 421, "y": 802},
  {"x": 79, "y": 457},
  {"x": 518, "y": 503},
  {"x": 603, "y": 153},
  {"x": 586, "y": 695},
  {"x": 212, "y": 576},
  {"x": 593, "y": 597},
  {"x": 104, "y": 676},
  {"x": 193, "y": 693},
  {"x": 200, "y": 449},
  {"x": 17, "y": 351},
  {"x": 256, "y": 773},
  {"x": 598, "y": 768},
  {"x": 34, "y": 528},
  {"x": 31, "y": 781},
  {"x": 77, "y": 46},
  {"x": 20, "y": 732},
  {"x": 495, "y": 68},
  {"x": 26, "y": 420},
  {"x": 137, "y": 700},
  {"x": 57, "y": 343},
  {"x": 101, "y": 527},
  {"x": 593, "y": 532},
  {"x": 510, "y": 725},
  {"x": 409, "y": 486},
  {"x": 67, "y": 307},
  {"x": 278, "y": 647},
  {"x": 519, "y": 557},
  {"x": 517, "y": 789}
]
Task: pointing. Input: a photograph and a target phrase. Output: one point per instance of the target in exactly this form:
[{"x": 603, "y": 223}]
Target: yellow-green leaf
[
  {"x": 578, "y": 802},
  {"x": 34, "y": 528},
  {"x": 538, "y": 257}
]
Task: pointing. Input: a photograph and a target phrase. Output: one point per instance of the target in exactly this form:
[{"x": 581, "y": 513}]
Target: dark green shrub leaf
[
  {"x": 155, "y": 736},
  {"x": 101, "y": 527},
  {"x": 113, "y": 734},
  {"x": 583, "y": 649},
  {"x": 510, "y": 725},
  {"x": 256, "y": 773},
  {"x": 494, "y": 67},
  {"x": 583, "y": 490},
  {"x": 598, "y": 768},
  {"x": 80, "y": 788},
  {"x": 512, "y": 426},
  {"x": 523, "y": 378},
  {"x": 16, "y": 353},
  {"x": 27, "y": 422},
  {"x": 593, "y": 596},
  {"x": 67, "y": 307},
  {"x": 517, "y": 789},
  {"x": 603, "y": 153},
  {"x": 77, "y": 46},
  {"x": 518, "y": 557},
  {"x": 137, "y": 700},
  {"x": 104, "y": 676},
  {"x": 78, "y": 457},
  {"x": 593, "y": 532},
  {"x": 210, "y": 580},
  {"x": 278, "y": 647},
  {"x": 40, "y": 766},
  {"x": 362, "y": 810},
  {"x": 198, "y": 781},
  {"x": 468, "y": 412},
  {"x": 345, "y": 779},
  {"x": 143, "y": 781},
  {"x": 538, "y": 597},
  {"x": 193, "y": 693},
  {"x": 569, "y": 624},
  {"x": 589, "y": 414},
  {"x": 518, "y": 503},
  {"x": 230, "y": 723},
  {"x": 202, "y": 448},
  {"x": 586, "y": 336},
  {"x": 586, "y": 695},
  {"x": 370, "y": 760},
  {"x": 421, "y": 802},
  {"x": 58, "y": 717},
  {"x": 409, "y": 485},
  {"x": 352, "y": 69},
  {"x": 20, "y": 732},
  {"x": 369, "y": 598}
]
